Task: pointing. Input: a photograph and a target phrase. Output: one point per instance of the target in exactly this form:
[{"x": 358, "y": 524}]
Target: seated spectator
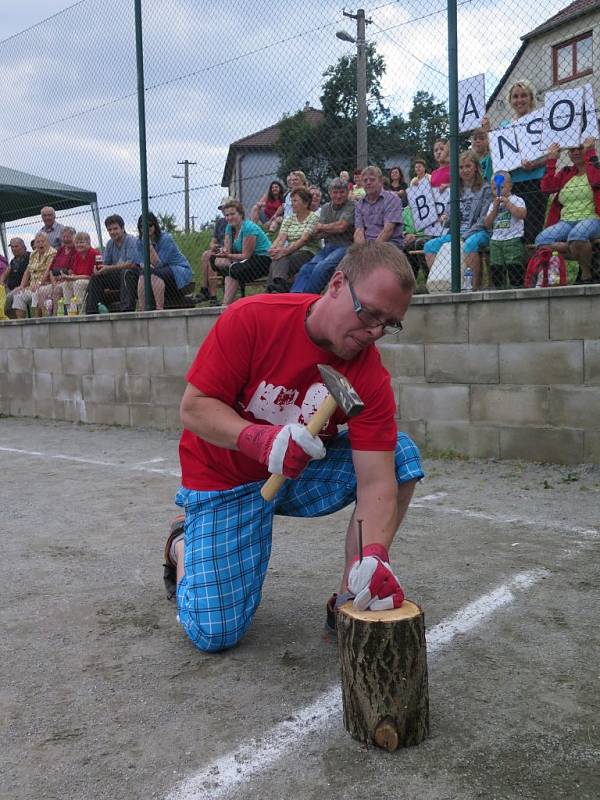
[
  {"x": 244, "y": 256},
  {"x": 295, "y": 180},
  {"x": 440, "y": 177},
  {"x": 12, "y": 277},
  {"x": 210, "y": 279},
  {"x": 421, "y": 174},
  {"x": 414, "y": 239},
  {"x": 120, "y": 269},
  {"x": 474, "y": 199},
  {"x": 316, "y": 195},
  {"x": 506, "y": 219},
  {"x": 295, "y": 244},
  {"x": 378, "y": 215},
  {"x": 31, "y": 282},
  {"x": 357, "y": 190},
  {"x": 51, "y": 227},
  {"x": 574, "y": 216},
  {"x": 75, "y": 283},
  {"x": 345, "y": 176},
  {"x": 336, "y": 228},
  {"x": 398, "y": 184},
  {"x": 480, "y": 146},
  {"x": 65, "y": 255},
  {"x": 268, "y": 205},
  {"x": 170, "y": 270}
]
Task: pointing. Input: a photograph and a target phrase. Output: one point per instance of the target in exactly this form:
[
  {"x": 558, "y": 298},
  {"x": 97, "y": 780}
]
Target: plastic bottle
[
  {"x": 554, "y": 269},
  {"x": 49, "y": 306},
  {"x": 468, "y": 280},
  {"x": 73, "y": 310},
  {"x": 60, "y": 307},
  {"x": 102, "y": 309}
]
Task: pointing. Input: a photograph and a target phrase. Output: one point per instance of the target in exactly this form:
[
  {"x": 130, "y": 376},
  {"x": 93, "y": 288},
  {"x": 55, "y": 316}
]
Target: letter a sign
[{"x": 471, "y": 102}]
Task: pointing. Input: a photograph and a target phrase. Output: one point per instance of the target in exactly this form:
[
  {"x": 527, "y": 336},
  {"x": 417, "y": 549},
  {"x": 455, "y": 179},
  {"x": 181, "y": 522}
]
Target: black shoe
[
  {"x": 330, "y": 619},
  {"x": 202, "y": 295},
  {"x": 213, "y": 301},
  {"x": 170, "y": 568}
]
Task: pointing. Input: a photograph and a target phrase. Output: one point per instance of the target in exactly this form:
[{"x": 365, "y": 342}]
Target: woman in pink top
[{"x": 440, "y": 177}]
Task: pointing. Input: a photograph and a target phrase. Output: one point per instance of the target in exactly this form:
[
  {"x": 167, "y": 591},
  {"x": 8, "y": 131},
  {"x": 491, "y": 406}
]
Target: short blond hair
[
  {"x": 82, "y": 236},
  {"x": 522, "y": 84},
  {"x": 363, "y": 258}
]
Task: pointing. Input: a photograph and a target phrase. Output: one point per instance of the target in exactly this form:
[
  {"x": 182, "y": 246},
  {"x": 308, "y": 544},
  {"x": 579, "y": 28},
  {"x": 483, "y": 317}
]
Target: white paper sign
[
  {"x": 442, "y": 200},
  {"x": 422, "y": 206},
  {"x": 562, "y": 118},
  {"x": 529, "y": 134},
  {"x": 504, "y": 149},
  {"x": 471, "y": 102},
  {"x": 589, "y": 120}
]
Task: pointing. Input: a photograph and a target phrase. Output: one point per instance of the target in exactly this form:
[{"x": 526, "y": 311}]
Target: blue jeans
[
  {"x": 581, "y": 230},
  {"x": 314, "y": 275},
  {"x": 228, "y": 539},
  {"x": 472, "y": 244}
]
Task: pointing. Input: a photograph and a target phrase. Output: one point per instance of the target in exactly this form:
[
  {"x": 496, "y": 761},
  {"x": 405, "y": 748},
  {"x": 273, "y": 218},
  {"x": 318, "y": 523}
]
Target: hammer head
[{"x": 341, "y": 390}]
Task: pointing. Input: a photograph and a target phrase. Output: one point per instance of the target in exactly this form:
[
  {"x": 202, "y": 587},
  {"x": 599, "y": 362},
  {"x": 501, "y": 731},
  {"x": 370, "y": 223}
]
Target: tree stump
[{"x": 383, "y": 662}]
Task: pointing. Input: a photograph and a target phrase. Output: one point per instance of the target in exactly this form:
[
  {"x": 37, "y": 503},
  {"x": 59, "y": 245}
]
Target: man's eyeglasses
[{"x": 369, "y": 320}]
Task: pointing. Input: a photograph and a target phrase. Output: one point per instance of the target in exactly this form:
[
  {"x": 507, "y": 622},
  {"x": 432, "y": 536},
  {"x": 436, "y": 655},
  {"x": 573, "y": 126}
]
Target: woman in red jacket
[{"x": 574, "y": 216}]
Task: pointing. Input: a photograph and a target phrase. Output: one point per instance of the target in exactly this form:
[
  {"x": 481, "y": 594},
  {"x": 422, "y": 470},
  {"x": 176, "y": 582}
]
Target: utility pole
[
  {"x": 362, "y": 156},
  {"x": 186, "y": 189}
]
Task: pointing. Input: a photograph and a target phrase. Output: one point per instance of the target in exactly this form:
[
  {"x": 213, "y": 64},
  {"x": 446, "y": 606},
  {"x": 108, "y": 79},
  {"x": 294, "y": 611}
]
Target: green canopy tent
[{"x": 23, "y": 195}]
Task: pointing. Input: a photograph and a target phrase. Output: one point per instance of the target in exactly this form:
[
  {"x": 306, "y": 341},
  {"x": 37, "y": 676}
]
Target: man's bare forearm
[{"x": 211, "y": 419}]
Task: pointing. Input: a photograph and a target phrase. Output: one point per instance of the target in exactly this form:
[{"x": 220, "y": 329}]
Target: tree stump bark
[{"x": 383, "y": 661}]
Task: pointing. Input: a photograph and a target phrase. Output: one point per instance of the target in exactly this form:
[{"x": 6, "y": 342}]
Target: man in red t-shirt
[{"x": 251, "y": 390}]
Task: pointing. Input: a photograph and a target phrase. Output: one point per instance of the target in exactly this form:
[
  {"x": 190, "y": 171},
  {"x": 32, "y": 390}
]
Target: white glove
[{"x": 372, "y": 582}]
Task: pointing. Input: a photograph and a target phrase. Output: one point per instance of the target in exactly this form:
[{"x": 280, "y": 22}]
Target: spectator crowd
[{"x": 293, "y": 241}]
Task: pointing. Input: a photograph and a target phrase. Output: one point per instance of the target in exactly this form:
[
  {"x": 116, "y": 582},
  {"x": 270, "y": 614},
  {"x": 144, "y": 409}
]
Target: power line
[{"x": 41, "y": 22}]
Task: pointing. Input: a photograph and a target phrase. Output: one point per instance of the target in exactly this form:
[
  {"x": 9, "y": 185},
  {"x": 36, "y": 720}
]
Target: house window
[{"x": 572, "y": 59}]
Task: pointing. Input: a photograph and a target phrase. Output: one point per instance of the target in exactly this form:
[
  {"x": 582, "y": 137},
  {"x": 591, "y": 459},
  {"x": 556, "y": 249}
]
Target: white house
[
  {"x": 564, "y": 51},
  {"x": 252, "y": 162}
]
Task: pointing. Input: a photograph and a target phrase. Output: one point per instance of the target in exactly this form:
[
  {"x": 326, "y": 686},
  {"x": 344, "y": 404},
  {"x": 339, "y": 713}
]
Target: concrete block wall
[
  {"x": 123, "y": 369},
  {"x": 512, "y": 374}
]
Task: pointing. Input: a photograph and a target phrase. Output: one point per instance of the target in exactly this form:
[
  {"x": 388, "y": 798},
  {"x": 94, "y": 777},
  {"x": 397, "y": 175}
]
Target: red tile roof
[
  {"x": 268, "y": 136},
  {"x": 576, "y": 9}
]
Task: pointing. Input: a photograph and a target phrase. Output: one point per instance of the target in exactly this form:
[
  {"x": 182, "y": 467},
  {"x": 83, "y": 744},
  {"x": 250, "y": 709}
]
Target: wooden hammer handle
[{"x": 316, "y": 422}]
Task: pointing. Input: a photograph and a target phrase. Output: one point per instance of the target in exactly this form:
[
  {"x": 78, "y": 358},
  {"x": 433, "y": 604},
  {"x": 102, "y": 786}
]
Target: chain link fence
[{"x": 249, "y": 101}]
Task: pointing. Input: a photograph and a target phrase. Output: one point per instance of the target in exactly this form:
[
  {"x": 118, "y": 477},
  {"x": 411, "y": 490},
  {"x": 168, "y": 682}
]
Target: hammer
[{"x": 342, "y": 394}]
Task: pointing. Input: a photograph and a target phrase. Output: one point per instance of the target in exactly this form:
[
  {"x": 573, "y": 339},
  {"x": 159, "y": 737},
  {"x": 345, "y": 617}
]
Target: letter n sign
[
  {"x": 504, "y": 149},
  {"x": 471, "y": 102}
]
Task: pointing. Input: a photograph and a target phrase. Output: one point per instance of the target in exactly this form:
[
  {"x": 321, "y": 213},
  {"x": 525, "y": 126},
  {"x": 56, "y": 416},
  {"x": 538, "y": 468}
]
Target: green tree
[
  {"x": 322, "y": 151},
  {"x": 167, "y": 222},
  {"x": 338, "y": 98},
  {"x": 426, "y": 122}
]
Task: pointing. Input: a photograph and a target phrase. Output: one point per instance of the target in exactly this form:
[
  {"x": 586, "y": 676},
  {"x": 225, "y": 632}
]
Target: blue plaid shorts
[{"x": 228, "y": 539}]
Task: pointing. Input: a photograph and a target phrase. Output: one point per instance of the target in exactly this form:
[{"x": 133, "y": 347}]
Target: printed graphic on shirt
[
  {"x": 503, "y": 220},
  {"x": 279, "y": 405}
]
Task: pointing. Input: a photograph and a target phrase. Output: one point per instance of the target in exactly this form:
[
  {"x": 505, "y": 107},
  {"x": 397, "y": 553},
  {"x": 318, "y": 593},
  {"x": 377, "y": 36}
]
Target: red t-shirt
[
  {"x": 271, "y": 207},
  {"x": 84, "y": 262},
  {"x": 259, "y": 360},
  {"x": 63, "y": 260}
]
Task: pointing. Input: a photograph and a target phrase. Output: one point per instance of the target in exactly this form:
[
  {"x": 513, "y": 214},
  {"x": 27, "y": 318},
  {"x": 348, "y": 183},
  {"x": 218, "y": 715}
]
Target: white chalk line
[
  {"x": 224, "y": 774},
  {"x": 502, "y": 519},
  {"x": 96, "y": 462}
]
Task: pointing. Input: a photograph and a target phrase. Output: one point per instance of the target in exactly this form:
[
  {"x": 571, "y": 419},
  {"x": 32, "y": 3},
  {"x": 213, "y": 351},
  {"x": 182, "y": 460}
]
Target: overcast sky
[{"x": 214, "y": 72}]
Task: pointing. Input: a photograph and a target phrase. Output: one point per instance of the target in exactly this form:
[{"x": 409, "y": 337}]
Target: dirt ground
[{"x": 104, "y": 697}]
